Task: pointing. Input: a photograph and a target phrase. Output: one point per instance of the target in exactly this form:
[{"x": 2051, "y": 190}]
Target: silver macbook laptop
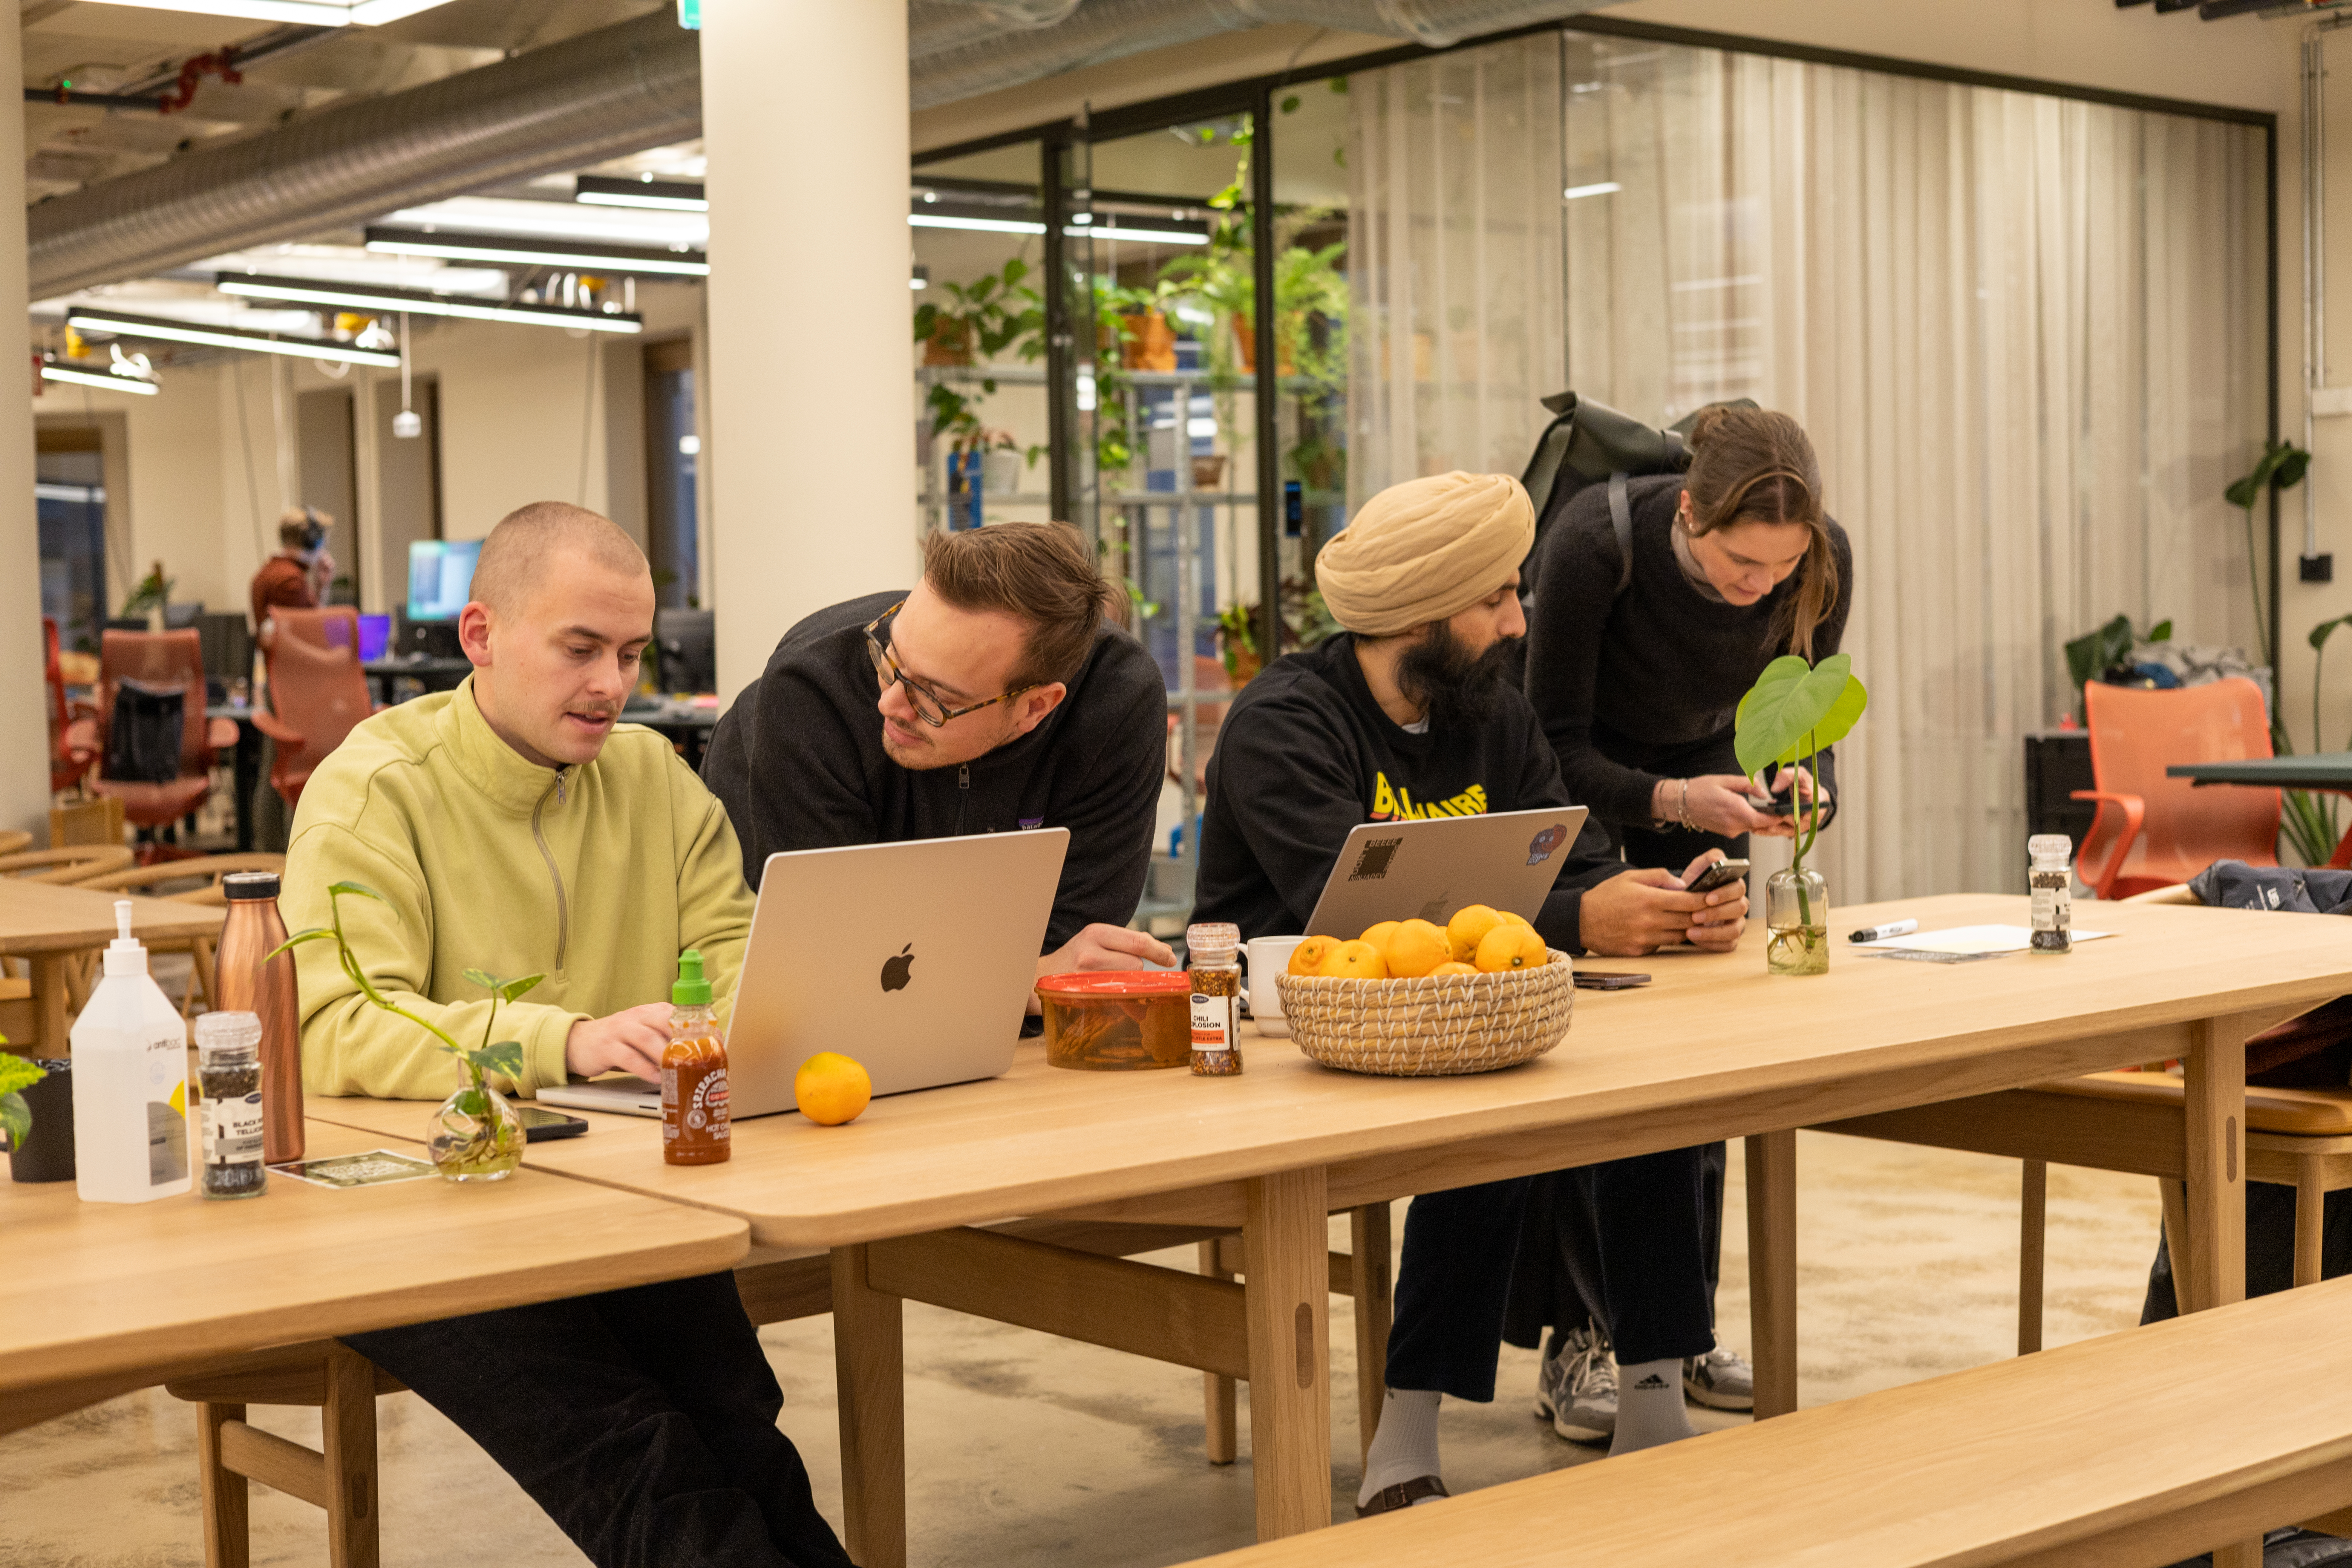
[
  {"x": 917, "y": 959},
  {"x": 1432, "y": 867}
]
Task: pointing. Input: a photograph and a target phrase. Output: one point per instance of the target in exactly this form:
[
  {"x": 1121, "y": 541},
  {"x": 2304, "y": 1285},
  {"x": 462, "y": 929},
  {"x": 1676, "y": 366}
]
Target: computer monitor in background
[
  {"x": 440, "y": 574},
  {"x": 689, "y": 650},
  {"x": 227, "y": 641}
]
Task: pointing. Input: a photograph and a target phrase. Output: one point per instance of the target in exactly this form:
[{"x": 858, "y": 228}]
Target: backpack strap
[{"x": 1620, "y": 515}]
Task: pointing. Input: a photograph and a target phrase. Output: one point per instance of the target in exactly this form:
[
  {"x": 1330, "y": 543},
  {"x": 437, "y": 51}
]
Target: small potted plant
[
  {"x": 1789, "y": 716},
  {"x": 475, "y": 1134}
]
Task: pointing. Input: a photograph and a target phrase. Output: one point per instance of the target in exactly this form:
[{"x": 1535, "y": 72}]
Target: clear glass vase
[
  {"x": 476, "y": 1136},
  {"x": 1796, "y": 923}
]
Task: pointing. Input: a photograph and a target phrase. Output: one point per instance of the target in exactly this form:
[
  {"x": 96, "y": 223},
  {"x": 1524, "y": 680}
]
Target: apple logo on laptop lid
[{"x": 896, "y": 971}]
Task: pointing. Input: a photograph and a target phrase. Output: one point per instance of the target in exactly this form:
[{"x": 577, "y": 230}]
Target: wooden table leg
[
  {"x": 869, "y": 1377},
  {"x": 2216, "y": 1082},
  {"x": 1772, "y": 1268},
  {"x": 1221, "y": 1411},
  {"x": 2215, "y": 1072},
  {"x": 1368, "y": 1266},
  {"x": 49, "y": 1002},
  {"x": 1286, "y": 1275},
  {"x": 2033, "y": 1232}
]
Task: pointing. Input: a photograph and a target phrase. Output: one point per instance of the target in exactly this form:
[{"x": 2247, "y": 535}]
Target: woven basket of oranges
[{"x": 1412, "y": 999}]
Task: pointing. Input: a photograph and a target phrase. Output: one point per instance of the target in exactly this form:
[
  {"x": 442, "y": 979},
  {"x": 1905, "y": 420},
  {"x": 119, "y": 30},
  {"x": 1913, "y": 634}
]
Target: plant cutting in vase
[
  {"x": 476, "y": 1134},
  {"x": 1789, "y": 716},
  {"x": 16, "y": 1076}
]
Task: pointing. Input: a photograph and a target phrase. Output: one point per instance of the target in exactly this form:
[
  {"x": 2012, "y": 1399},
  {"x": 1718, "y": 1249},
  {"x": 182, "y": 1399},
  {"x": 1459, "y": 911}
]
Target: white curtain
[{"x": 2025, "y": 333}]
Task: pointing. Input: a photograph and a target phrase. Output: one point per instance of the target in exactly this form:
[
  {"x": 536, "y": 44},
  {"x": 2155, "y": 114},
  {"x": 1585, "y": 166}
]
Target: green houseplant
[
  {"x": 16, "y": 1076},
  {"x": 1788, "y": 717},
  {"x": 980, "y": 323},
  {"x": 475, "y": 1134}
]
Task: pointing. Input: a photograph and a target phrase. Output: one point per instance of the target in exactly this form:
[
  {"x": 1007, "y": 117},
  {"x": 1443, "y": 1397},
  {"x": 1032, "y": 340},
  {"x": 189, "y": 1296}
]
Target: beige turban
[{"x": 1425, "y": 550}]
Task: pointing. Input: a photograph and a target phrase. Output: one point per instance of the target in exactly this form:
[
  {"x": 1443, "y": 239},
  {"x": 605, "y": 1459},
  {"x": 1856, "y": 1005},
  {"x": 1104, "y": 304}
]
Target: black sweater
[
  {"x": 799, "y": 764},
  {"x": 1305, "y": 754},
  {"x": 1650, "y": 678}
]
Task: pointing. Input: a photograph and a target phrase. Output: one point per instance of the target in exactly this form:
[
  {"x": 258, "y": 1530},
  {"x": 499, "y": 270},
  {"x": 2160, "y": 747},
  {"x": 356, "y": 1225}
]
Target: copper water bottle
[{"x": 249, "y": 981}]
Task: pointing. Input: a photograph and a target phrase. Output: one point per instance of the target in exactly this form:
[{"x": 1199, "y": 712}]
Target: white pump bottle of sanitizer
[{"x": 130, "y": 1082}]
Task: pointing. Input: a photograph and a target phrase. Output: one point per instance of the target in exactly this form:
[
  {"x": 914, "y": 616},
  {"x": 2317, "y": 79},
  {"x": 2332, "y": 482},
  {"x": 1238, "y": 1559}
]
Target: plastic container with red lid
[{"x": 1118, "y": 1020}]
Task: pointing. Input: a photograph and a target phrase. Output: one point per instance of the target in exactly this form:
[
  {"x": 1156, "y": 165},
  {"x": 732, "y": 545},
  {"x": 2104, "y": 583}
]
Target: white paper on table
[{"x": 1974, "y": 939}]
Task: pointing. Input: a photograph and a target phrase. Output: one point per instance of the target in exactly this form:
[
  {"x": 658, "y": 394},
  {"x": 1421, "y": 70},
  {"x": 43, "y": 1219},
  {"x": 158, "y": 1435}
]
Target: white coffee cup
[{"x": 1269, "y": 956}]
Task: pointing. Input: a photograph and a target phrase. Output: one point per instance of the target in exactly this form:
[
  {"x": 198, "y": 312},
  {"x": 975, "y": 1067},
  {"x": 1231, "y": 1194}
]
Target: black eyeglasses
[{"x": 926, "y": 704}]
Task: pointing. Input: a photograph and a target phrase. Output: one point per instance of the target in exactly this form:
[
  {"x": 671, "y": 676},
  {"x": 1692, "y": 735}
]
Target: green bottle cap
[{"x": 691, "y": 990}]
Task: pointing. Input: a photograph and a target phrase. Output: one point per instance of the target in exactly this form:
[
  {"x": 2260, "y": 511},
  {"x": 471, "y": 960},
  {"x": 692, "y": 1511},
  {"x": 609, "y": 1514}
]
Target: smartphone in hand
[{"x": 1723, "y": 873}]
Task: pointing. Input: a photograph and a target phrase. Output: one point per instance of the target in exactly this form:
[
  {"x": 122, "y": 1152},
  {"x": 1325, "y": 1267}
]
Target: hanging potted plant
[
  {"x": 475, "y": 1134},
  {"x": 1793, "y": 712}
]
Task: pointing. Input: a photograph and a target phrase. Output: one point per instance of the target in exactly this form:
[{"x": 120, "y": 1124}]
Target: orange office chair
[
  {"x": 68, "y": 762},
  {"x": 158, "y": 661},
  {"x": 316, "y": 688},
  {"x": 2150, "y": 830}
]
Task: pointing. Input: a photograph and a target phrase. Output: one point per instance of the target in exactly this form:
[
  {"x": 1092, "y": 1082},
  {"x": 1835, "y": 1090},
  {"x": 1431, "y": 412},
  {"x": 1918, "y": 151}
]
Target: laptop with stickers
[{"x": 1432, "y": 867}]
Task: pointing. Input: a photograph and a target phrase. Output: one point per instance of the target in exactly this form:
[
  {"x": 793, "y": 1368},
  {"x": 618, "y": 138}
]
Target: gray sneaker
[
  {"x": 1576, "y": 1389},
  {"x": 1719, "y": 1380}
]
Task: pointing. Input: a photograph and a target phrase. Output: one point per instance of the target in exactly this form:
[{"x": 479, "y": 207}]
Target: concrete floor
[{"x": 1025, "y": 1449}]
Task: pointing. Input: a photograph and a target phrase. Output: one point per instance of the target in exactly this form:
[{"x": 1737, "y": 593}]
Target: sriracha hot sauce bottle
[{"x": 694, "y": 1073}]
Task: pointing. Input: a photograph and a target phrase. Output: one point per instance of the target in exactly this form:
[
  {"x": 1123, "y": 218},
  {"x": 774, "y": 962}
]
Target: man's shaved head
[{"x": 517, "y": 554}]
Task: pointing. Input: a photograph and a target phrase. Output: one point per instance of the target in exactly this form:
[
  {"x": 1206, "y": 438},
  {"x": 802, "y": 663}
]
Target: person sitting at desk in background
[
  {"x": 298, "y": 576},
  {"x": 511, "y": 825},
  {"x": 1636, "y": 669},
  {"x": 1408, "y": 710},
  {"x": 990, "y": 697}
]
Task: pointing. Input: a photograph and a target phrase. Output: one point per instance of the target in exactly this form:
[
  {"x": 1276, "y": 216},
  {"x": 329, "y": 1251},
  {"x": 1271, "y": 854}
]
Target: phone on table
[
  {"x": 539, "y": 1125},
  {"x": 1723, "y": 873},
  {"x": 1608, "y": 980}
]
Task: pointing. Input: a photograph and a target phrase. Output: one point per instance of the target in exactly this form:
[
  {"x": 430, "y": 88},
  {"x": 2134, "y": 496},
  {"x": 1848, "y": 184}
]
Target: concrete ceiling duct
[{"x": 617, "y": 90}]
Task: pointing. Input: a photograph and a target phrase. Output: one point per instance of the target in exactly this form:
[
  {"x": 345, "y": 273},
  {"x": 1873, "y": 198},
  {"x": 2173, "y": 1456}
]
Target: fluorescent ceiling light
[
  {"x": 148, "y": 327},
  {"x": 660, "y": 196},
  {"x": 104, "y": 383},
  {"x": 585, "y": 256},
  {"x": 419, "y": 303},
  {"x": 1605, "y": 188},
  {"x": 1024, "y": 225},
  {"x": 309, "y": 13},
  {"x": 506, "y": 217}
]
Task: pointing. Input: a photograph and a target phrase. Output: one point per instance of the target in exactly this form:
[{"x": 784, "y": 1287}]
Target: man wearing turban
[{"x": 1411, "y": 712}]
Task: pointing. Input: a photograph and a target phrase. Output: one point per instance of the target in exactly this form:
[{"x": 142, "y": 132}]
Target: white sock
[
  {"x": 1649, "y": 1406},
  {"x": 1406, "y": 1444}
]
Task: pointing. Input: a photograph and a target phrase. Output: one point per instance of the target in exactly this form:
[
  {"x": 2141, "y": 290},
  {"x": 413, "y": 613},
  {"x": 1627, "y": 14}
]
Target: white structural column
[
  {"x": 811, "y": 404},
  {"x": 24, "y": 722}
]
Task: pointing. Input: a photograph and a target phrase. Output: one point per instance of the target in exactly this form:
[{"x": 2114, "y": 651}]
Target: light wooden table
[
  {"x": 99, "y": 1298},
  {"x": 46, "y": 925},
  {"x": 1715, "y": 1048}
]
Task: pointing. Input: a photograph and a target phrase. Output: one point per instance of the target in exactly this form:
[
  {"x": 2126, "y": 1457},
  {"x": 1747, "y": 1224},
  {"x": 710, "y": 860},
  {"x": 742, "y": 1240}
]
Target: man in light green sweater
[{"x": 514, "y": 825}]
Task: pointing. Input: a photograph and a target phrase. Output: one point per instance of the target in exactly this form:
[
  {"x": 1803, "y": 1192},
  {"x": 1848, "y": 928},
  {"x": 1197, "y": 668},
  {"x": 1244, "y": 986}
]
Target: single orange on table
[
  {"x": 1417, "y": 948},
  {"x": 1308, "y": 956},
  {"x": 832, "y": 1088},
  {"x": 1354, "y": 960},
  {"x": 1507, "y": 947},
  {"x": 1468, "y": 928}
]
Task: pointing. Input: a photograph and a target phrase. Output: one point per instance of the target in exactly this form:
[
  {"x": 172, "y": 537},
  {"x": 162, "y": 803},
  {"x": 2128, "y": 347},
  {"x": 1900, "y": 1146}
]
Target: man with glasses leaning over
[{"x": 990, "y": 697}]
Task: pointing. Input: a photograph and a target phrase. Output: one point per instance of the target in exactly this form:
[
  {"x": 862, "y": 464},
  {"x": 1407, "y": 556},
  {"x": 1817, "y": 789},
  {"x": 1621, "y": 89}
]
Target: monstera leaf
[{"x": 1795, "y": 708}]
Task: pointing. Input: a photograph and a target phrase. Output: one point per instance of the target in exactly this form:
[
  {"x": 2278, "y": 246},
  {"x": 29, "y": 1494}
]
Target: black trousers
[
  {"x": 1559, "y": 1268},
  {"x": 2270, "y": 1248},
  {"x": 643, "y": 1421},
  {"x": 1459, "y": 1246}
]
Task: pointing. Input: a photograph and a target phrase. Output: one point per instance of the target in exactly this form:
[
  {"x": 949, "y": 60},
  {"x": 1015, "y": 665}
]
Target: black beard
[{"x": 1457, "y": 689}]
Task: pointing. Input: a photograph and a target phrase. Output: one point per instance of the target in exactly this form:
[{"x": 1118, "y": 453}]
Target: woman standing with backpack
[{"x": 1638, "y": 654}]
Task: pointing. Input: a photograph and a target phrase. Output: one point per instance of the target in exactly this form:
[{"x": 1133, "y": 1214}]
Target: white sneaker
[
  {"x": 1576, "y": 1389},
  {"x": 1719, "y": 1380}
]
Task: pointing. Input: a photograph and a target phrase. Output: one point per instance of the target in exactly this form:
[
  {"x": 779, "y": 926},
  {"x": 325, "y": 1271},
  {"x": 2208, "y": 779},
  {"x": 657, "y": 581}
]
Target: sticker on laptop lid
[
  {"x": 1544, "y": 845},
  {"x": 1372, "y": 862}
]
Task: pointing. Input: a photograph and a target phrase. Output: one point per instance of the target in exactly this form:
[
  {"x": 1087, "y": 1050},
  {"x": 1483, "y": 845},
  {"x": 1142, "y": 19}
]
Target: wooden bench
[
  {"x": 2138, "y": 1448},
  {"x": 776, "y": 1287}
]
